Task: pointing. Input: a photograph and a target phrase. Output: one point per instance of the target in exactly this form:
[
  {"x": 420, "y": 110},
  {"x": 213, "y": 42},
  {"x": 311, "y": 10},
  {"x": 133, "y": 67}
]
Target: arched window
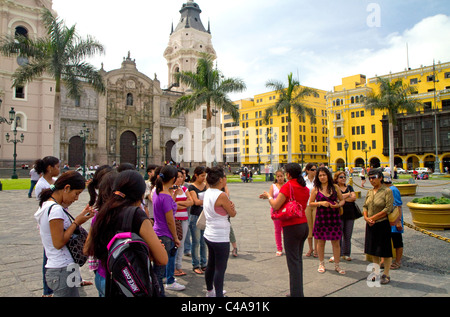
[
  {"x": 21, "y": 31},
  {"x": 129, "y": 99},
  {"x": 352, "y": 100},
  {"x": 357, "y": 99}
]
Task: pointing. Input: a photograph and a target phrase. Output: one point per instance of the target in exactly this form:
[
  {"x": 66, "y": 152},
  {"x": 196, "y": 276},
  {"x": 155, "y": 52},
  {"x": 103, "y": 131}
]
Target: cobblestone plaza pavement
[{"x": 256, "y": 272}]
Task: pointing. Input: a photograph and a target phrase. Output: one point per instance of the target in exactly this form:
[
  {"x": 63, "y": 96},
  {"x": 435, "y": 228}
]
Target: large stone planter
[
  {"x": 433, "y": 217},
  {"x": 406, "y": 189}
]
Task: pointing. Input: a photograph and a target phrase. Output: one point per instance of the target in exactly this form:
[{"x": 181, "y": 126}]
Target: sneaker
[
  {"x": 175, "y": 287},
  {"x": 212, "y": 293}
]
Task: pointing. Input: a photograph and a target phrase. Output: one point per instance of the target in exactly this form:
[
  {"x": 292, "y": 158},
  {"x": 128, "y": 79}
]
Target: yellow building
[
  {"x": 260, "y": 143},
  {"x": 417, "y": 137}
]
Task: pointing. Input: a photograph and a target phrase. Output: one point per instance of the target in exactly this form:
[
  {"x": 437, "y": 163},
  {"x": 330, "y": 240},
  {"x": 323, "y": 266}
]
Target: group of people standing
[
  {"x": 329, "y": 213},
  {"x": 163, "y": 221}
]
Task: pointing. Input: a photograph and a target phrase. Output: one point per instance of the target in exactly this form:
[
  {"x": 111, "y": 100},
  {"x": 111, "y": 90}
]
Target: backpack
[{"x": 128, "y": 262}]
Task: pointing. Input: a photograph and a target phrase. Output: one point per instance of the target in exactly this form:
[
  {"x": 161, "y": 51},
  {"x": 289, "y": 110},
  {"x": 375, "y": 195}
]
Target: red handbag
[{"x": 292, "y": 209}]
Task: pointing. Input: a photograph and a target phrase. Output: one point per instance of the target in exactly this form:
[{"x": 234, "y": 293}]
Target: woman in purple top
[{"x": 164, "y": 208}]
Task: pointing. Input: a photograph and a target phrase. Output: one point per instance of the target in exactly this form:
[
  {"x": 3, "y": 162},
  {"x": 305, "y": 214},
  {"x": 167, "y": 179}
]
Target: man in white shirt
[{"x": 34, "y": 176}]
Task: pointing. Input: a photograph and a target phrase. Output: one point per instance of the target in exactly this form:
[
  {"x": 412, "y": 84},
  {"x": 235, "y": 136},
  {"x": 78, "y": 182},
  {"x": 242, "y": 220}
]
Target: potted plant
[
  {"x": 430, "y": 212},
  {"x": 406, "y": 188}
]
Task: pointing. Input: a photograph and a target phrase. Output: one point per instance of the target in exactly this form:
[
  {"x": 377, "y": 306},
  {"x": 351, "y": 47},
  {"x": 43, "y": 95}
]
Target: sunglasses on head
[{"x": 373, "y": 177}]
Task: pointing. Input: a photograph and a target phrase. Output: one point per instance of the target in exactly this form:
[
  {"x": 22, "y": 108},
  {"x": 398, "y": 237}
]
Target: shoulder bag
[
  {"x": 201, "y": 221},
  {"x": 76, "y": 241},
  {"x": 394, "y": 216},
  {"x": 292, "y": 209}
]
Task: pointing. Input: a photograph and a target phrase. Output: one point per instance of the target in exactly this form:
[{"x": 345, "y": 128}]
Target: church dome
[{"x": 190, "y": 17}]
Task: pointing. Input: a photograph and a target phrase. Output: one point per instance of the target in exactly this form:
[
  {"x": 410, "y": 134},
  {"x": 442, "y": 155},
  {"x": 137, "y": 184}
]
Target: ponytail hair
[
  {"x": 166, "y": 174},
  {"x": 93, "y": 185},
  {"x": 214, "y": 175},
  {"x": 198, "y": 171},
  {"x": 41, "y": 164},
  {"x": 295, "y": 171},
  {"x": 72, "y": 178},
  {"x": 155, "y": 176}
]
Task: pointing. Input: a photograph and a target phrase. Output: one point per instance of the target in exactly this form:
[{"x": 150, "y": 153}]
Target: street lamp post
[
  {"x": 346, "y": 148},
  {"x": 366, "y": 150},
  {"x": 258, "y": 149},
  {"x": 146, "y": 139},
  {"x": 14, "y": 141},
  {"x": 138, "y": 149},
  {"x": 270, "y": 140},
  {"x": 84, "y": 134},
  {"x": 437, "y": 168},
  {"x": 302, "y": 148}
]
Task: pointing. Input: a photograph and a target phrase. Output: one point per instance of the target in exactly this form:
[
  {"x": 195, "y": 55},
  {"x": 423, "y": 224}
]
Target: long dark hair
[
  {"x": 166, "y": 174},
  {"x": 93, "y": 185},
  {"x": 128, "y": 188},
  {"x": 155, "y": 176},
  {"x": 72, "y": 178},
  {"x": 105, "y": 189},
  {"x": 295, "y": 171},
  {"x": 41, "y": 164},
  {"x": 198, "y": 171},
  {"x": 330, "y": 185}
]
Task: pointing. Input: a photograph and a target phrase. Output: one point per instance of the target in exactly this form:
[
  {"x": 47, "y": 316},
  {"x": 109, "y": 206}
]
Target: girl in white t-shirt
[
  {"x": 49, "y": 168},
  {"x": 56, "y": 228},
  {"x": 217, "y": 208}
]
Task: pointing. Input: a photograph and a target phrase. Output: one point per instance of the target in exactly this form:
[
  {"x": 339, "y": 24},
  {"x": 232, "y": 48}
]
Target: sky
[{"x": 319, "y": 41}]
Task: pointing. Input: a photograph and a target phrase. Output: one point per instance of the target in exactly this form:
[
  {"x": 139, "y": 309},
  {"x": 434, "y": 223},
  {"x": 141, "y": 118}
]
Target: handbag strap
[{"x": 291, "y": 198}]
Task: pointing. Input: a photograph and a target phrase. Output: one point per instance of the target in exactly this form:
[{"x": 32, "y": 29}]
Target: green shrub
[{"x": 431, "y": 201}]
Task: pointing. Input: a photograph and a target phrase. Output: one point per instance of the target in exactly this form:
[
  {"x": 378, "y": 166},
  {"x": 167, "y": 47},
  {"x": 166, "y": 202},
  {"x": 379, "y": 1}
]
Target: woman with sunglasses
[
  {"x": 378, "y": 204},
  {"x": 327, "y": 197},
  {"x": 348, "y": 217}
]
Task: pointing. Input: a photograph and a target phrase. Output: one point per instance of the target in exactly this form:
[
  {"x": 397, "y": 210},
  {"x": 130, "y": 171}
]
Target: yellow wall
[
  {"x": 253, "y": 127},
  {"x": 357, "y": 85}
]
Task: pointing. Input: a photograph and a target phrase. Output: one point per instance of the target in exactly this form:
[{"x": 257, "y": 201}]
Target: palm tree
[
  {"x": 208, "y": 88},
  {"x": 394, "y": 97},
  {"x": 291, "y": 99},
  {"x": 61, "y": 55}
]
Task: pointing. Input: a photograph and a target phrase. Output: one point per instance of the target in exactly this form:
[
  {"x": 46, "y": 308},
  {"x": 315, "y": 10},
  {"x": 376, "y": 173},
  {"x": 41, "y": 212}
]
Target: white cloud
[{"x": 258, "y": 40}]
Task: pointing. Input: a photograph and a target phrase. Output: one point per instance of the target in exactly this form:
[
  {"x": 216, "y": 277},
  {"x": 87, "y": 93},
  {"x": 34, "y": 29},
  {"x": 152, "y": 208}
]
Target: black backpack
[{"x": 129, "y": 262}]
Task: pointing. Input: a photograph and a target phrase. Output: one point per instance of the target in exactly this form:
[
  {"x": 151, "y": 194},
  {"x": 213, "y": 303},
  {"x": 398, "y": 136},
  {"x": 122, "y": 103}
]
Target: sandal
[
  {"x": 197, "y": 270},
  {"x": 339, "y": 270},
  {"x": 395, "y": 266},
  {"x": 86, "y": 283},
  {"x": 321, "y": 268},
  {"x": 179, "y": 273},
  {"x": 279, "y": 253},
  {"x": 385, "y": 279},
  {"x": 331, "y": 260},
  {"x": 309, "y": 253},
  {"x": 315, "y": 254}
]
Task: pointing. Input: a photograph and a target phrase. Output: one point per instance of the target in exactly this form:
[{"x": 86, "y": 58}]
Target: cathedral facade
[{"x": 131, "y": 122}]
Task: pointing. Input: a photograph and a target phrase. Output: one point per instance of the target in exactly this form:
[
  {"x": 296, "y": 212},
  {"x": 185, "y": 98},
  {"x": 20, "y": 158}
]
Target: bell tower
[{"x": 186, "y": 42}]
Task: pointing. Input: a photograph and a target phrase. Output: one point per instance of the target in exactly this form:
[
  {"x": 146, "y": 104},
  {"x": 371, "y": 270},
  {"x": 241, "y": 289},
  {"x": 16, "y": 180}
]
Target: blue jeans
[
  {"x": 33, "y": 183},
  {"x": 197, "y": 241},
  {"x": 100, "y": 283},
  {"x": 162, "y": 270}
]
